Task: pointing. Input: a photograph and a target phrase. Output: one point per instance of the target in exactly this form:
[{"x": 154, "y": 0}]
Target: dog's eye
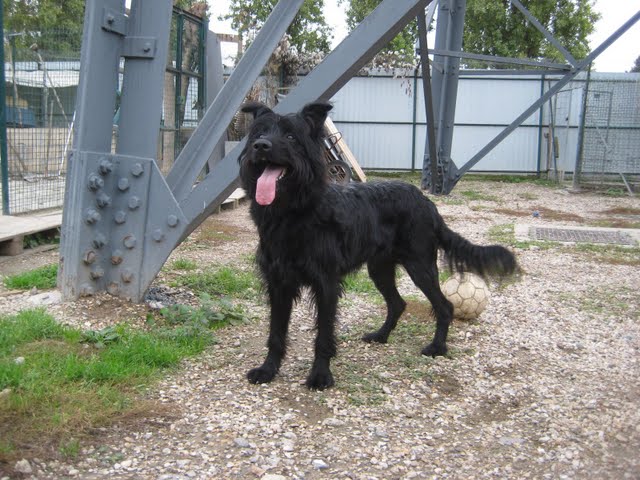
[
  {"x": 290, "y": 137},
  {"x": 262, "y": 135}
]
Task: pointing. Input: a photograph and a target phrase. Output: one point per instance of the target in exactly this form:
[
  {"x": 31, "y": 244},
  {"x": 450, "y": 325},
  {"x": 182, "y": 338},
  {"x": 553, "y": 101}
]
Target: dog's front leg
[
  {"x": 320, "y": 376},
  {"x": 281, "y": 302}
]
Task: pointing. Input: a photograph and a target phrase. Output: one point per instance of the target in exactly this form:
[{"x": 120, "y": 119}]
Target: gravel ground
[{"x": 545, "y": 384}]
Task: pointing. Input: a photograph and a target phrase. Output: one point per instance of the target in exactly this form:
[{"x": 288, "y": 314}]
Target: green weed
[
  {"x": 226, "y": 281},
  {"x": 184, "y": 264},
  {"x": 42, "y": 278}
]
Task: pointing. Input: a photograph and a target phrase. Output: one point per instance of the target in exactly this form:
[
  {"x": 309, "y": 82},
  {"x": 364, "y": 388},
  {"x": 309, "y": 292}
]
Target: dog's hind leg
[
  {"x": 425, "y": 276},
  {"x": 281, "y": 305},
  {"x": 326, "y": 295},
  {"x": 383, "y": 274}
]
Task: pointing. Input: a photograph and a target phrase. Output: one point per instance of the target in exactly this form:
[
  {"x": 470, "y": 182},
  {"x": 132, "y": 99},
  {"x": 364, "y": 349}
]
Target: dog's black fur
[{"x": 313, "y": 233}]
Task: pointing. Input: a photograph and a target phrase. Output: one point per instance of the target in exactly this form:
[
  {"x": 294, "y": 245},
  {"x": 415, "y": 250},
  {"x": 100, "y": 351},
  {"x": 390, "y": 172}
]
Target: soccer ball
[{"x": 468, "y": 293}]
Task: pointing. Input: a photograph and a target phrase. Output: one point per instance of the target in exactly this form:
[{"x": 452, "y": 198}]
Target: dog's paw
[
  {"x": 376, "y": 337},
  {"x": 434, "y": 350},
  {"x": 260, "y": 375},
  {"x": 319, "y": 380}
]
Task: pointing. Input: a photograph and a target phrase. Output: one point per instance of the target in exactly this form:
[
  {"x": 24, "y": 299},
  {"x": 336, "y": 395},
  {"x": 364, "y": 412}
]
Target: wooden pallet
[
  {"x": 14, "y": 229},
  {"x": 345, "y": 150}
]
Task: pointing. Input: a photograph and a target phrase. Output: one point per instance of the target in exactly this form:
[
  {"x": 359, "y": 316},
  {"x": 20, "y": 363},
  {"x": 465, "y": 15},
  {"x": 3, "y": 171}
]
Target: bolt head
[
  {"x": 106, "y": 166},
  {"x": 89, "y": 257},
  {"x": 95, "y": 182},
  {"x": 123, "y": 184},
  {"x": 92, "y": 216},
  {"x": 96, "y": 273},
  {"x": 127, "y": 276},
  {"x": 130, "y": 241},
  {"x": 172, "y": 220},
  {"x": 120, "y": 217},
  {"x": 134, "y": 202},
  {"x": 99, "y": 241},
  {"x": 116, "y": 257},
  {"x": 158, "y": 235},
  {"x": 103, "y": 200},
  {"x": 137, "y": 170}
]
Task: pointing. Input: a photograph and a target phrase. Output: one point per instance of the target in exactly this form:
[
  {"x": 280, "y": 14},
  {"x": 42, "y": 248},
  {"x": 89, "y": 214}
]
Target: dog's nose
[{"x": 262, "y": 145}]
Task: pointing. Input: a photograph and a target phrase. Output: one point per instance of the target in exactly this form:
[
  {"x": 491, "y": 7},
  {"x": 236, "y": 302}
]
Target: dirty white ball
[{"x": 468, "y": 293}]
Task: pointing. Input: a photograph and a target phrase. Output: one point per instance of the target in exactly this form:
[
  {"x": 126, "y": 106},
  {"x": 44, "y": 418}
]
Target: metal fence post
[
  {"x": 4, "y": 159},
  {"x": 575, "y": 181}
]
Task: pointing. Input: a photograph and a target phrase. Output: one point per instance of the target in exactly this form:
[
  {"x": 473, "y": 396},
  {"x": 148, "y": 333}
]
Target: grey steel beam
[
  {"x": 496, "y": 59},
  {"x": 430, "y": 149},
  {"x": 96, "y": 99},
  {"x": 565, "y": 53},
  {"x": 200, "y": 147},
  {"x": 551, "y": 92},
  {"x": 445, "y": 86},
  {"x": 322, "y": 82}
]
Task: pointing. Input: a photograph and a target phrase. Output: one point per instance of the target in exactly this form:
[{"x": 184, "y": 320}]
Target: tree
[
  {"x": 636, "y": 66},
  {"x": 497, "y": 27},
  {"x": 50, "y": 24},
  {"x": 307, "y": 33},
  {"x": 400, "y": 52}
]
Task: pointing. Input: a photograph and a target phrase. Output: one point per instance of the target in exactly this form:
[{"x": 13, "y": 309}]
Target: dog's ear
[
  {"x": 256, "y": 108},
  {"x": 315, "y": 114}
]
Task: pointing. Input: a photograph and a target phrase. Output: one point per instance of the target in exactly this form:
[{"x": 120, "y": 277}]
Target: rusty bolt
[
  {"x": 92, "y": 216},
  {"x": 127, "y": 276},
  {"x": 116, "y": 257},
  {"x": 172, "y": 220},
  {"x": 95, "y": 182},
  {"x": 134, "y": 202},
  {"x": 130, "y": 241},
  {"x": 147, "y": 47},
  {"x": 111, "y": 19},
  {"x": 120, "y": 217},
  {"x": 106, "y": 166},
  {"x": 123, "y": 184},
  {"x": 103, "y": 200},
  {"x": 137, "y": 170},
  {"x": 89, "y": 257},
  {"x": 96, "y": 273}
]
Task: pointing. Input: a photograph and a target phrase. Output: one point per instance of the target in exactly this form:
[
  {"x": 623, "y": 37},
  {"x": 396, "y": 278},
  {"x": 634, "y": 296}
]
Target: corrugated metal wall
[{"x": 385, "y": 127}]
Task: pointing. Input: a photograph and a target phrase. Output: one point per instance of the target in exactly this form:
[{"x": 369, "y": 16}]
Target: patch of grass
[
  {"x": 227, "y": 281},
  {"x": 414, "y": 177},
  {"x": 359, "y": 282},
  {"x": 211, "y": 313},
  {"x": 474, "y": 195},
  {"x": 59, "y": 383},
  {"x": 480, "y": 177},
  {"x": 528, "y": 196},
  {"x": 611, "y": 254},
  {"x": 42, "y": 278},
  {"x": 213, "y": 231},
  {"x": 615, "y": 223},
  {"x": 362, "y": 385},
  {"x": 184, "y": 264},
  {"x": 622, "y": 211}
]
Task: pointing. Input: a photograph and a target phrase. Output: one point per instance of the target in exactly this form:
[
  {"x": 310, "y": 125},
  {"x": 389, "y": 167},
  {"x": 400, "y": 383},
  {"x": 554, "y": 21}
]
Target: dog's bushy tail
[{"x": 464, "y": 256}]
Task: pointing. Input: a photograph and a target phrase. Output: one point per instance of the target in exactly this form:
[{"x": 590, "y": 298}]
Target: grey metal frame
[
  {"x": 122, "y": 218},
  {"x": 445, "y": 80}
]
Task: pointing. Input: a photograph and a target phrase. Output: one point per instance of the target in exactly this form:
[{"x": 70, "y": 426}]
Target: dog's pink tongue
[{"x": 266, "y": 186}]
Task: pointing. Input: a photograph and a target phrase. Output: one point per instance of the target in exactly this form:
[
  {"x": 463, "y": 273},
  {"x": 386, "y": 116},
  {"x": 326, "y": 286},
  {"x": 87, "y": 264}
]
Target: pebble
[
  {"x": 242, "y": 442},
  {"x": 319, "y": 464},
  {"x": 23, "y": 466}
]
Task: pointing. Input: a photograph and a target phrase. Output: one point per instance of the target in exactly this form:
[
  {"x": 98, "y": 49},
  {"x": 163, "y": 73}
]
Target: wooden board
[
  {"x": 346, "y": 151},
  {"x": 14, "y": 229}
]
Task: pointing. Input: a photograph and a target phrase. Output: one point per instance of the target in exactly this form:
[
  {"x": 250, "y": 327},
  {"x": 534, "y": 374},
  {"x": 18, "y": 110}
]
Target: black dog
[{"x": 312, "y": 233}]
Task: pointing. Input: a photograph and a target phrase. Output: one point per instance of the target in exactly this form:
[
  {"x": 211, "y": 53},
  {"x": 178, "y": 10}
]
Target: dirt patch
[{"x": 541, "y": 212}]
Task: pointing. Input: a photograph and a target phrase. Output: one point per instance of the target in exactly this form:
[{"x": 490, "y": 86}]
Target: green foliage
[
  {"x": 53, "y": 25},
  {"x": 223, "y": 281},
  {"x": 308, "y": 32},
  {"x": 359, "y": 282},
  {"x": 497, "y": 27},
  {"x": 399, "y": 52},
  {"x": 184, "y": 264},
  {"x": 636, "y": 66},
  {"x": 42, "y": 278},
  {"x": 58, "y": 385},
  {"x": 211, "y": 314}
]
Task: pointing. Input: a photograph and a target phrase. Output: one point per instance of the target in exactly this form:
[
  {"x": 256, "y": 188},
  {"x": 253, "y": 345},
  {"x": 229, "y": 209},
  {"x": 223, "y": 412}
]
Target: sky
[{"x": 619, "y": 57}]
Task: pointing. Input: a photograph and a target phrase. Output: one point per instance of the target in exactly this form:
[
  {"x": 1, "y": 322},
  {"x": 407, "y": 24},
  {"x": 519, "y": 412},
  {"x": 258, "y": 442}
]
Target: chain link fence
[
  {"x": 41, "y": 80},
  {"x": 611, "y": 146}
]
